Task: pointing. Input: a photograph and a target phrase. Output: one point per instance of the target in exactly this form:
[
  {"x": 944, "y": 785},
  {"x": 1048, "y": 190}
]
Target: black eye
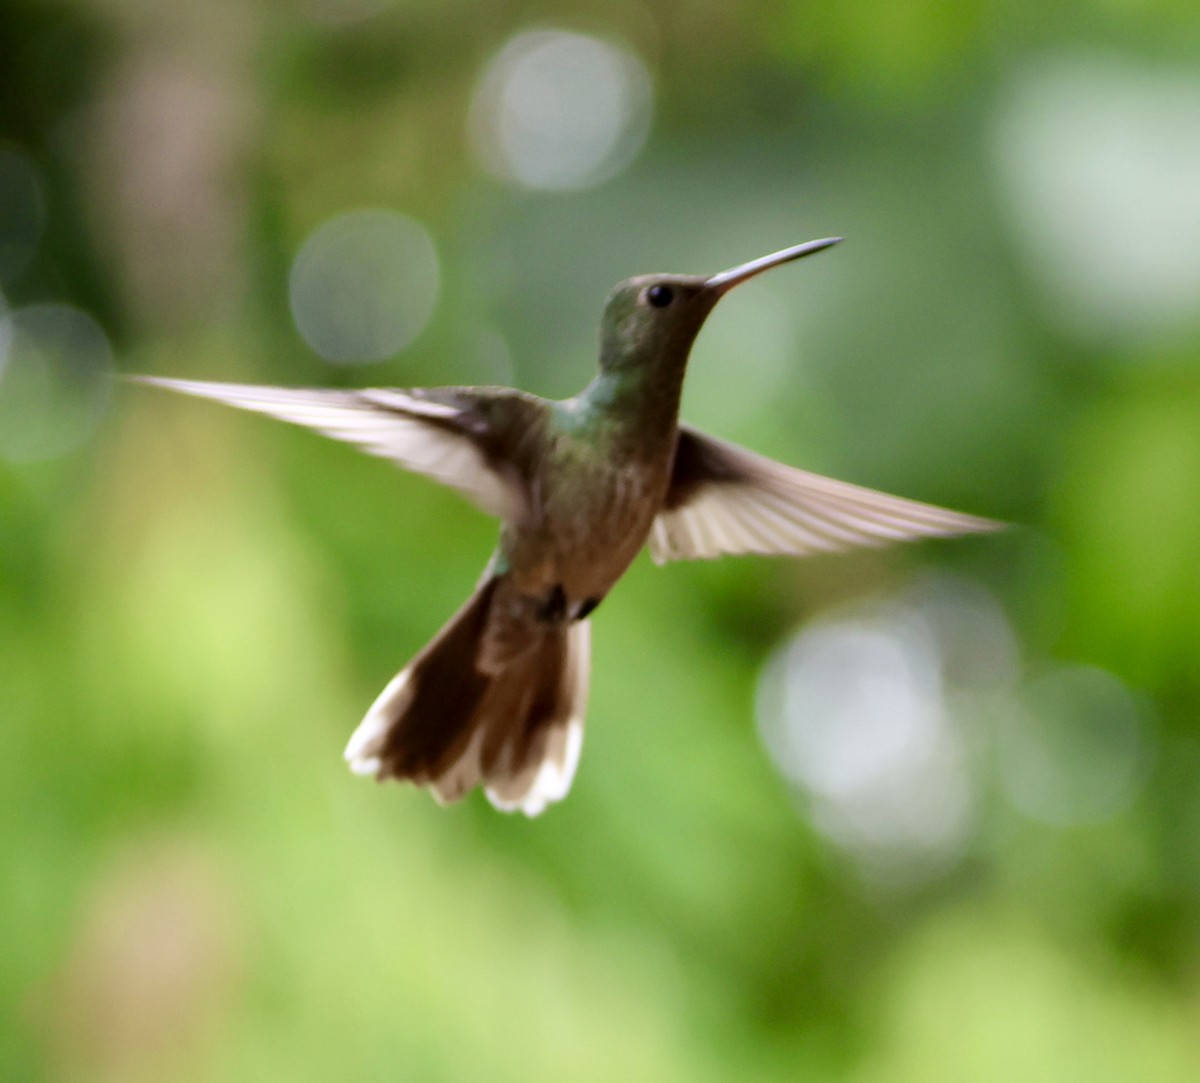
[{"x": 660, "y": 296}]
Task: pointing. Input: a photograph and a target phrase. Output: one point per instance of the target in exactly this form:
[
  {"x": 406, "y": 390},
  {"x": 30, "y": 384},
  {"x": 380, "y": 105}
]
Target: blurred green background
[{"x": 925, "y": 814}]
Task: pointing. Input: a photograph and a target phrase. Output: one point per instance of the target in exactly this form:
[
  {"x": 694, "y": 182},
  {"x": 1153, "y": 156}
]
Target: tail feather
[
  {"x": 445, "y": 724},
  {"x": 536, "y": 764}
]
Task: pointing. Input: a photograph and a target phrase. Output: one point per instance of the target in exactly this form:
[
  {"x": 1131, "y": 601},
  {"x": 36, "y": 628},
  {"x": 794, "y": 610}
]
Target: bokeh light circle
[
  {"x": 858, "y": 701},
  {"x": 1099, "y": 161},
  {"x": 852, "y": 712},
  {"x": 873, "y": 715},
  {"x": 557, "y": 110},
  {"x": 56, "y": 384},
  {"x": 364, "y": 285}
]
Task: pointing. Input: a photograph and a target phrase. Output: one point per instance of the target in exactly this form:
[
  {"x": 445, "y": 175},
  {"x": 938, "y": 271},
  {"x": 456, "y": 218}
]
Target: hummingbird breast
[{"x": 590, "y": 513}]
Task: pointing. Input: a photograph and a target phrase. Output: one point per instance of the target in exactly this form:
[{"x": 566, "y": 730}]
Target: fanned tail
[{"x": 447, "y": 723}]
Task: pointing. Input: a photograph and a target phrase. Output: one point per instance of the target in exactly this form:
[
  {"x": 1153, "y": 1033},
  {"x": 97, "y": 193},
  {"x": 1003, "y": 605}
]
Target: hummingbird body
[
  {"x": 594, "y": 493},
  {"x": 497, "y": 698}
]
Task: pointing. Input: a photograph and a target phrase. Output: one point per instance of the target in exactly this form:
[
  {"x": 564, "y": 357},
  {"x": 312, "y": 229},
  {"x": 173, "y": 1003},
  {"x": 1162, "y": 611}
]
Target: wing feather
[
  {"x": 445, "y": 441},
  {"x": 726, "y": 499}
]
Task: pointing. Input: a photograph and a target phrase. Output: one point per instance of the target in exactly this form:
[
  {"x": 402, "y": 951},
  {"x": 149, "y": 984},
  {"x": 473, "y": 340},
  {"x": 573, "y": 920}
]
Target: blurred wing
[
  {"x": 725, "y": 499},
  {"x": 439, "y": 434}
]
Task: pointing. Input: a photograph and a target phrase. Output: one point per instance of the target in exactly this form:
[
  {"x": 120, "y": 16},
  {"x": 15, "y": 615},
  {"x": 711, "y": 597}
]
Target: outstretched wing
[
  {"x": 453, "y": 435},
  {"x": 725, "y": 499}
]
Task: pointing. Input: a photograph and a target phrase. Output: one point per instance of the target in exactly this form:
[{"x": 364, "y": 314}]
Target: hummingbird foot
[
  {"x": 586, "y": 608},
  {"x": 557, "y": 608},
  {"x": 554, "y": 609}
]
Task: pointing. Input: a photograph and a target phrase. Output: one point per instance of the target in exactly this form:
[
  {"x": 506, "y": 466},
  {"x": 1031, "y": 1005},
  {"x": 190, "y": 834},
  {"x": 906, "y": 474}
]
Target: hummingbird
[{"x": 497, "y": 698}]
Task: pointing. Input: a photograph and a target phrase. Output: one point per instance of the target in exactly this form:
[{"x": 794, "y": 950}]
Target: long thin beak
[{"x": 726, "y": 280}]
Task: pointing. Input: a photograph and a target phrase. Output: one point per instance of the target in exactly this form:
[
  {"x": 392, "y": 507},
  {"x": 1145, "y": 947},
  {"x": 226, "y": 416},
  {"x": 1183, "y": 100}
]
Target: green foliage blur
[{"x": 196, "y": 605}]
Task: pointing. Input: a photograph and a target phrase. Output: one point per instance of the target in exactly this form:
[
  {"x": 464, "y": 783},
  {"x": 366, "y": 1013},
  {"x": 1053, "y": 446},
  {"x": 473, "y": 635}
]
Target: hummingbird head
[{"x": 654, "y": 319}]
